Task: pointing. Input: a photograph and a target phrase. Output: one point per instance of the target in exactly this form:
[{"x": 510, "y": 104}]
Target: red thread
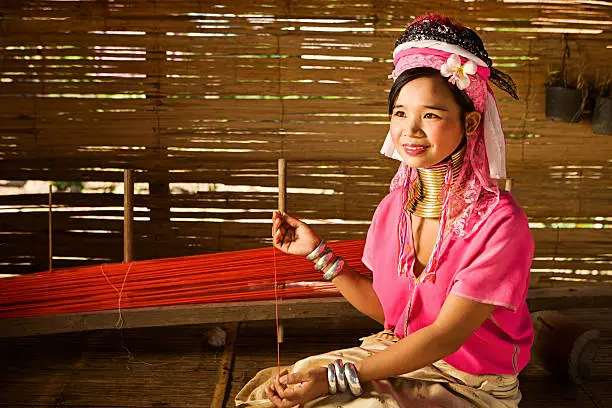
[
  {"x": 237, "y": 276},
  {"x": 276, "y": 312}
]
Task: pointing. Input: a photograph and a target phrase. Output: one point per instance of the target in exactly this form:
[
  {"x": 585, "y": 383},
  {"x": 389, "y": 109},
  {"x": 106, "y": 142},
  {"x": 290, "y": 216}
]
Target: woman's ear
[{"x": 472, "y": 120}]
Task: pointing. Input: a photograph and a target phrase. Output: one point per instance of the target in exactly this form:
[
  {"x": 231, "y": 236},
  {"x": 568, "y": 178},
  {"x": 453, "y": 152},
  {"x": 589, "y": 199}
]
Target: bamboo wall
[{"x": 202, "y": 98}]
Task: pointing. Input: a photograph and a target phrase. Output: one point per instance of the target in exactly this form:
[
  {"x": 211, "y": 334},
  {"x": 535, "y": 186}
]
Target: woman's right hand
[{"x": 292, "y": 236}]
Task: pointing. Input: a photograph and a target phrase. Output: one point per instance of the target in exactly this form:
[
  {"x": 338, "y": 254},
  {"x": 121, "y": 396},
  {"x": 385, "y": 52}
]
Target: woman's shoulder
[
  {"x": 507, "y": 214},
  {"x": 507, "y": 207}
]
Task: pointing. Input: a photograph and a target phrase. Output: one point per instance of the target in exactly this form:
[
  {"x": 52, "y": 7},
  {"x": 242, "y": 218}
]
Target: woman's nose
[{"x": 412, "y": 128}]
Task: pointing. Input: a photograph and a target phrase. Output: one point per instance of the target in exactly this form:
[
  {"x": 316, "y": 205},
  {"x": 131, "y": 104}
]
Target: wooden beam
[
  {"x": 128, "y": 215},
  {"x": 176, "y": 316},
  {"x": 282, "y": 185},
  {"x": 508, "y": 185},
  {"x": 537, "y": 299},
  {"x": 225, "y": 367},
  {"x": 578, "y": 297},
  {"x": 50, "y": 226}
]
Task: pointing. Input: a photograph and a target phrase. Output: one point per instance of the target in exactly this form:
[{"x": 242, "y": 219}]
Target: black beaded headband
[{"x": 440, "y": 28}]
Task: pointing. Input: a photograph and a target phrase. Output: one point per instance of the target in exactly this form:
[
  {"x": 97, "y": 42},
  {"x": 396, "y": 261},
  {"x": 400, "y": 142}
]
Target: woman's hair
[{"x": 465, "y": 103}]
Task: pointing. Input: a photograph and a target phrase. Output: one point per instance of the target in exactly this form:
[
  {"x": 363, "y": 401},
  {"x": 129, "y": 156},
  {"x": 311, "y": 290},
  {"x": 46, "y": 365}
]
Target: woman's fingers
[
  {"x": 283, "y": 235},
  {"x": 278, "y": 387},
  {"x": 276, "y": 400},
  {"x": 292, "y": 221}
]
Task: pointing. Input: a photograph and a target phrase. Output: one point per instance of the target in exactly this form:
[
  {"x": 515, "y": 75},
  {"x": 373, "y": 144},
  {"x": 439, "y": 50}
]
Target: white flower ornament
[{"x": 458, "y": 74}]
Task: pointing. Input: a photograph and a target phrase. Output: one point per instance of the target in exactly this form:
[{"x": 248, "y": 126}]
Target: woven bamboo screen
[{"x": 202, "y": 98}]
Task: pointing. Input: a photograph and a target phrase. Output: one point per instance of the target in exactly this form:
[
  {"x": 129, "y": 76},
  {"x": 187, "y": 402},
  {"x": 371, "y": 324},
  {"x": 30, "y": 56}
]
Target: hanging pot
[
  {"x": 602, "y": 116},
  {"x": 563, "y": 104}
]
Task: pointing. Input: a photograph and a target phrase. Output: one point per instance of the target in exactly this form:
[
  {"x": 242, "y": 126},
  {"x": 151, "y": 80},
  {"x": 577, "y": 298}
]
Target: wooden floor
[{"x": 176, "y": 367}]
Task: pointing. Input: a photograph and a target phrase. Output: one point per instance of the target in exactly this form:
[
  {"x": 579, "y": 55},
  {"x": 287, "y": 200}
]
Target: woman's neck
[{"x": 426, "y": 195}]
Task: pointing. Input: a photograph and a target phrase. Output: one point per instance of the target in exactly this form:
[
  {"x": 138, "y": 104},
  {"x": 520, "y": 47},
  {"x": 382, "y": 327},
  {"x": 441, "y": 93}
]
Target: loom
[{"x": 232, "y": 287}]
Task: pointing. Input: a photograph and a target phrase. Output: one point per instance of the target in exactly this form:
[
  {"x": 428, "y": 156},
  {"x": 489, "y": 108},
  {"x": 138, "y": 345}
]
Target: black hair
[{"x": 465, "y": 103}]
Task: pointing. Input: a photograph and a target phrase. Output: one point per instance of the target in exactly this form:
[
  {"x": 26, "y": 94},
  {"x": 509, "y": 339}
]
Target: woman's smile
[{"x": 414, "y": 149}]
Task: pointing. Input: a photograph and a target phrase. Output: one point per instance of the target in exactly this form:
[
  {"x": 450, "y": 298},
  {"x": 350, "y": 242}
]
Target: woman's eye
[
  {"x": 400, "y": 114},
  {"x": 430, "y": 115}
]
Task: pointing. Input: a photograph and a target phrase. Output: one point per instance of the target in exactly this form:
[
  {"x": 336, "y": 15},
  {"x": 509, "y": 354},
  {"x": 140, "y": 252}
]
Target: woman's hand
[
  {"x": 298, "y": 388},
  {"x": 292, "y": 236}
]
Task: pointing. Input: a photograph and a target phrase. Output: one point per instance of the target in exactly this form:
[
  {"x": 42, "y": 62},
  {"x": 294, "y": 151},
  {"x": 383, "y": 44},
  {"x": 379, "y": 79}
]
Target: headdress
[{"x": 459, "y": 54}]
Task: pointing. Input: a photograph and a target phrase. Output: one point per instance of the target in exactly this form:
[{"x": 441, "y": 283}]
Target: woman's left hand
[{"x": 298, "y": 388}]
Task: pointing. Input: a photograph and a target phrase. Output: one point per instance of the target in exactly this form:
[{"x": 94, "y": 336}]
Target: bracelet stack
[
  {"x": 326, "y": 259},
  {"x": 341, "y": 377}
]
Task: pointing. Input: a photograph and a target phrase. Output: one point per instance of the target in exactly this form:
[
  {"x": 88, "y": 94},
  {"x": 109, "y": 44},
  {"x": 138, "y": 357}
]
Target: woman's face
[{"x": 426, "y": 124}]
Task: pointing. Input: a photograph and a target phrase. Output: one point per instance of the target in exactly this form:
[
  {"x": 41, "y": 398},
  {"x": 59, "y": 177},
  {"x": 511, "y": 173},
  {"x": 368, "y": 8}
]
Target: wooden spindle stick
[
  {"x": 128, "y": 215},
  {"x": 50, "y": 226},
  {"x": 282, "y": 207},
  {"x": 508, "y": 186},
  {"x": 282, "y": 185}
]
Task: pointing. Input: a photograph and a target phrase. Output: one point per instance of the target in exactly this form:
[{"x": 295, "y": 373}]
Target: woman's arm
[
  {"x": 359, "y": 291},
  {"x": 458, "y": 319},
  {"x": 295, "y": 237}
]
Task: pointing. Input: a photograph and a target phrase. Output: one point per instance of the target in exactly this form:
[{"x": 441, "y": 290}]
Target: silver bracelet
[
  {"x": 322, "y": 263},
  {"x": 317, "y": 251},
  {"x": 350, "y": 372},
  {"x": 332, "y": 383},
  {"x": 334, "y": 270},
  {"x": 341, "y": 379}
]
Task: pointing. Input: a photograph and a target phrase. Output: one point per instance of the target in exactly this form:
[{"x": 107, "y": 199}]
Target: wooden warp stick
[
  {"x": 584, "y": 296},
  {"x": 282, "y": 207},
  {"x": 128, "y": 215},
  {"x": 226, "y": 366},
  {"x": 50, "y": 226}
]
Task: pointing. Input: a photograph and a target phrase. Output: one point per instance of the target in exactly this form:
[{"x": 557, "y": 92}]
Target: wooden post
[
  {"x": 282, "y": 185},
  {"x": 282, "y": 207},
  {"x": 225, "y": 368},
  {"x": 508, "y": 186},
  {"x": 50, "y": 226},
  {"x": 128, "y": 215}
]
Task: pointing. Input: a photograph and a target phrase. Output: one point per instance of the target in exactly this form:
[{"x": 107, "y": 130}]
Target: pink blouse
[{"x": 490, "y": 266}]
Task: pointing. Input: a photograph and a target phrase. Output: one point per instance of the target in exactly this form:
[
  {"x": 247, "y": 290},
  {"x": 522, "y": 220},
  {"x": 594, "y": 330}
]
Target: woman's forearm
[
  {"x": 415, "y": 351},
  {"x": 359, "y": 291}
]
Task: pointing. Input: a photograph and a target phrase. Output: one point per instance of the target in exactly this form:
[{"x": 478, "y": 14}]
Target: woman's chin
[{"x": 417, "y": 162}]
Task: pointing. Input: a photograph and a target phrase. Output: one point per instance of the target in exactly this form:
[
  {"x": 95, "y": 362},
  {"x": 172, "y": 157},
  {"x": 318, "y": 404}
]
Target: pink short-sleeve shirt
[{"x": 490, "y": 266}]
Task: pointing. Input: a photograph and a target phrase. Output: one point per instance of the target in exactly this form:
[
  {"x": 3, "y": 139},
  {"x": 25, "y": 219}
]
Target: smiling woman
[
  {"x": 428, "y": 117},
  {"x": 449, "y": 253}
]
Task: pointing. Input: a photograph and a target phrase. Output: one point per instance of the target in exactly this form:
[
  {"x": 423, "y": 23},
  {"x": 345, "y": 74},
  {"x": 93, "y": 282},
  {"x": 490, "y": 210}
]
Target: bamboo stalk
[
  {"x": 282, "y": 185},
  {"x": 50, "y": 226},
  {"x": 508, "y": 186},
  {"x": 128, "y": 215},
  {"x": 282, "y": 206}
]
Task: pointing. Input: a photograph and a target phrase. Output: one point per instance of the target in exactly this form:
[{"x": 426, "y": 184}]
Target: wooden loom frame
[{"x": 537, "y": 299}]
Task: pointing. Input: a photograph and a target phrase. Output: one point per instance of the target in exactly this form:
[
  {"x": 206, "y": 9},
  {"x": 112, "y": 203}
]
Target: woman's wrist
[
  {"x": 317, "y": 251},
  {"x": 342, "y": 377},
  {"x": 326, "y": 261}
]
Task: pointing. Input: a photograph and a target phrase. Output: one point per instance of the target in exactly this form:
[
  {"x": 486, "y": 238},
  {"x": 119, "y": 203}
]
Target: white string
[
  {"x": 120, "y": 320},
  {"x": 131, "y": 358}
]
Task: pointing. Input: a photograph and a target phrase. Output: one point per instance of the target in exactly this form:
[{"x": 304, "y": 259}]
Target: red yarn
[{"x": 215, "y": 278}]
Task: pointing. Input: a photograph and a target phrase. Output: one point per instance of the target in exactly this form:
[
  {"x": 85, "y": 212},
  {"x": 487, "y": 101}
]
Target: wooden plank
[
  {"x": 537, "y": 299},
  {"x": 571, "y": 297},
  {"x": 226, "y": 366},
  {"x": 176, "y": 315}
]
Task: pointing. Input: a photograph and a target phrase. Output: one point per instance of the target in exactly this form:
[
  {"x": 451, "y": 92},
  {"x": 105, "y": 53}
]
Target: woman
[{"x": 450, "y": 254}]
